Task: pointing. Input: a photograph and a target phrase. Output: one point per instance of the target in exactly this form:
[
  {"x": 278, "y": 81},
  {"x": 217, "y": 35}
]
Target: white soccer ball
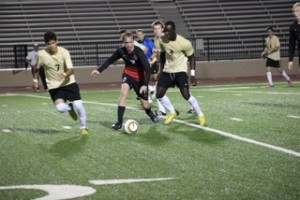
[{"x": 131, "y": 126}]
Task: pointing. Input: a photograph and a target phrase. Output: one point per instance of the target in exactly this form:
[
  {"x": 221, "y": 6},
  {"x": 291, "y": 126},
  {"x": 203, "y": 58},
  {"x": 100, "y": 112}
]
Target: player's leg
[
  {"x": 144, "y": 101},
  {"x": 181, "y": 81},
  {"x": 269, "y": 65},
  {"x": 164, "y": 82},
  {"x": 125, "y": 88},
  {"x": 284, "y": 74},
  {"x": 72, "y": 94}
]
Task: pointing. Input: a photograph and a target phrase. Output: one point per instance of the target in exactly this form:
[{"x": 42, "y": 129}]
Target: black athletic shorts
[
  {"x": 272, "y": 63},
  {"x": 68, "y": 92},
  {"x": 179, "y": 79},
  {"x": 135, "y": 85},
  {"x": 154, "y": 68}
]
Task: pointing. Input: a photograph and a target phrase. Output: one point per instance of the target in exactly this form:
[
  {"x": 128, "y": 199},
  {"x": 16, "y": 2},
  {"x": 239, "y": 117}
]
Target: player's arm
[
  {"x": 192, "y": 64},
  {"x": 162, "y": 60},
  {"x": 292, "y": 46},
  {"x": 113, "y": 58},
  {"x": 69, "y": 67},
  {"x": 146, "y": 66}
]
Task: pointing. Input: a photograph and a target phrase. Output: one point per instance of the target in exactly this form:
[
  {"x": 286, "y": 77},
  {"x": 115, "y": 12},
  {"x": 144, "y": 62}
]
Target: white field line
[
  {"x": 294, "y": 116},
  {"x": 219, "y": 132},
  {"x": 121, "y": 181}
]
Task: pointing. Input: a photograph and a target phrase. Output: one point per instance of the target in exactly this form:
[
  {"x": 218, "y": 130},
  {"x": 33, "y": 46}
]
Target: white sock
[
  {"x": 269, "y": 77},
  {"x": 62, "y": 107},
  {"x": 151, "y": 88},
  {"x": 193, "y": 102},
  {"x": 161, "y": 108},
  {"x": 284, "y": 74},
  {"x": 165, "y": 101},
  {"x": 81, "y": 113}
]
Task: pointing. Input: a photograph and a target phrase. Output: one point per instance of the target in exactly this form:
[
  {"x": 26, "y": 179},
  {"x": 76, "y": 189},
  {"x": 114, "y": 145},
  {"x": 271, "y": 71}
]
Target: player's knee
[
  {"x": 159, "y": 95},
  {"x": 61, "y": 107},
  {"x": 186, "y": 96}
]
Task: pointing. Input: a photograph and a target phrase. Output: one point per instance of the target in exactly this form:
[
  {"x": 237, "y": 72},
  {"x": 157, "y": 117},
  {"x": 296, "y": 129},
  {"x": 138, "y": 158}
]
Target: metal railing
[{"x": 92, "y": 54}]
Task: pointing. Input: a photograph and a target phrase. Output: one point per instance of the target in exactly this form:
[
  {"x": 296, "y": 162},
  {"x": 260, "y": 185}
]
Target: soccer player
[
  {"x": 61, "y": 83},
  {"x": 294, "y": 36},
  {"x": 272, "y": 53},
  {"x": 175, "y": 52},
  {"x": 154, "y": 66},
  {"x": 31, "y": 61},
  {"x": 121, "y": 35},
  {"x": 158, "y": 27},
  {"x": 136, "y": 76}
]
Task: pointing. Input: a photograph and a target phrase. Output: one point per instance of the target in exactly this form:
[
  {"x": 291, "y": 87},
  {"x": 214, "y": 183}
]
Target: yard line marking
[
  {"x": 230, "y": 88},
  {"x": 121, "y": 181},
  {"x": 294, "y": 116},
  {"x": 236, "y": 119},
  {"x": 223, "y": 133},
  {"x": 240, "y": 138}
]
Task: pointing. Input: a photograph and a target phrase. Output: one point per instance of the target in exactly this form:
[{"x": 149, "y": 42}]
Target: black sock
[
  {"x": 121, "y": 111},
  {"x": 149, "y": 113}
]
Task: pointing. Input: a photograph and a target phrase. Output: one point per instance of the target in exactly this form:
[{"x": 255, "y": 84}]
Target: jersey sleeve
[
  {"x": 113, "y": 58},
  {"x": 68, "y": 61},
  {"x": 187, "y": 48},
  {"x": 38, "y": 60},
  {"x": 145, "y": 65}
]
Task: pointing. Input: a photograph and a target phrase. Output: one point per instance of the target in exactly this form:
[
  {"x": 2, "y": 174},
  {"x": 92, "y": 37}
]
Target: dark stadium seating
[{"x": 242, "y": 23}]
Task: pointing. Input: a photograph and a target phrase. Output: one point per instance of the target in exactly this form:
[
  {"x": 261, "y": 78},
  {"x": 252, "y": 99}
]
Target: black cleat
[
  {"x": 191, "y": 111},
  {"x": 116, "y": 126},
  {"x": 160, "y": 113}
]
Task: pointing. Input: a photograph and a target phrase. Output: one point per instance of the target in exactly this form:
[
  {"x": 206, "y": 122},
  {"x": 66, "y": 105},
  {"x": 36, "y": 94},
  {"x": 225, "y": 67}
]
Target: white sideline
[{"x": 223, "y": 133}]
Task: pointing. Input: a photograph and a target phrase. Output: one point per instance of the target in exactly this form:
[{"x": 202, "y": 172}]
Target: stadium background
[{"x": 228, "y": 36}]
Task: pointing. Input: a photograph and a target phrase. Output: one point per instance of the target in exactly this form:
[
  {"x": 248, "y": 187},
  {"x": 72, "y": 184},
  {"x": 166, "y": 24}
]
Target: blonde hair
[{"x": 296, "y": 5}]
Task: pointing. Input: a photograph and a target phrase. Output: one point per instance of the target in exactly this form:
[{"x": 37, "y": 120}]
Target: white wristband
[
  {"x": 192, "y": 72},
  {"x": 35, "y": 80}
]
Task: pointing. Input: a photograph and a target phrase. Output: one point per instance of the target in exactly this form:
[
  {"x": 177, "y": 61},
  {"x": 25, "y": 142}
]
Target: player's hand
[
  {"x": 143, "y": 89},
  {"x": 95, "y": 72},
  {"x": 61, "y": 77},
  {"x": 193, "y": 81},
  {"x": 290, "y": 65}
]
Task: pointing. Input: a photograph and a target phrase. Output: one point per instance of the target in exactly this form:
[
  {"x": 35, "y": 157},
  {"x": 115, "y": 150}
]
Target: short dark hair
[
  {"x": 270, "y": 28},
  {"x": 122, "y": 31},
  {"x": 49, "y": 35},
  {"x": 128, "y": 34}
]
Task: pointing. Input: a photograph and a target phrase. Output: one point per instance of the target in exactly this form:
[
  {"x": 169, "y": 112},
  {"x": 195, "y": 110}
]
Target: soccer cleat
[
  {"x": 116, "y": 126},
  {"x": 72, "y": 112},
  {"x": 160, "y": 113},
  {"x": 270, "y": 86},
  {"x": 170, "y": 117},
  {"x": 290, "y": 83},
  {"x": 202, "y": 120},
  {"x": 84, "y": 131},
  {"x": 191, "y": 111},
  {"x": 153, "y": 117}
]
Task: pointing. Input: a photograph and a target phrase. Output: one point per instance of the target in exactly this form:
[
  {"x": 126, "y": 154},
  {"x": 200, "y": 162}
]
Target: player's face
[
  {"x": 128, "y": 42},
  {"x": 52, "y": 46},
  {"x": 140, "y": 36},
  {"x": 296, "y": 12},
  {"x": 157, "y": 29},
  {"x": 270, "y": 33}
]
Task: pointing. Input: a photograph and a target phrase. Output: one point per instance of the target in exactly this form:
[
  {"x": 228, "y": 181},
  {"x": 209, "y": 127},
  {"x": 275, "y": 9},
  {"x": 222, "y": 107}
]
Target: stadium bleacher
[{"x": 90, "y": 21}]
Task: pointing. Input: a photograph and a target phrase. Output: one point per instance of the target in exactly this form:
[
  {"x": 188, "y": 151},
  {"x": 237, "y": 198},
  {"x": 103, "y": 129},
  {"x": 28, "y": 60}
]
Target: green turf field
[{"x": 250, "y": 149}]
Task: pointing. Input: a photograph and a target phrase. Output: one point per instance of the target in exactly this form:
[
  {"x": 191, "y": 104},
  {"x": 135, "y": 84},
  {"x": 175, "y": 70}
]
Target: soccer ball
[{"x": 131, "y": 126}]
